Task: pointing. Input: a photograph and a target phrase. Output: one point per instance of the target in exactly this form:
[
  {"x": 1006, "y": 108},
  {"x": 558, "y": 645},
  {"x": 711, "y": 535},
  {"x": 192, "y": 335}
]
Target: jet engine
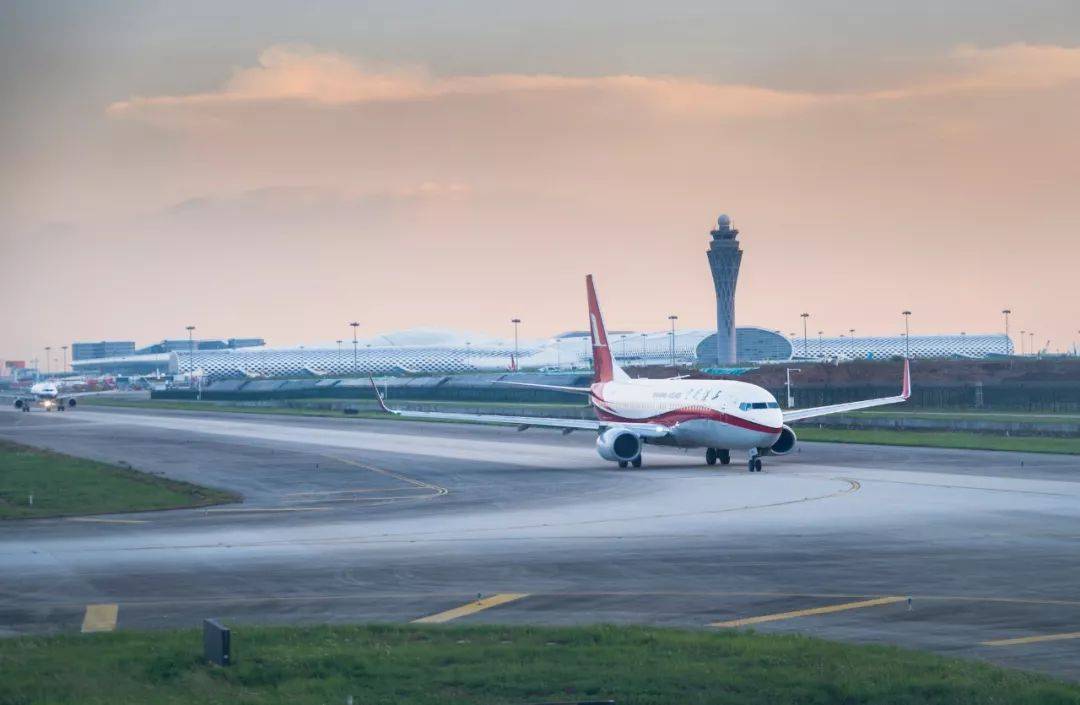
[
  {"x": 618, "y": 444},
  {"x": 19, "y": 403},
  {"x": 785, "y": 443},
  {"x": 71, "y": 403}
]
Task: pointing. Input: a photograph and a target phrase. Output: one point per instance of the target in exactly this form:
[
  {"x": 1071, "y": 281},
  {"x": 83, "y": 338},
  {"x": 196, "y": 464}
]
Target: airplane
[
  {"x": 717, "y": 415},
  {"x": 51, "y": 395}
]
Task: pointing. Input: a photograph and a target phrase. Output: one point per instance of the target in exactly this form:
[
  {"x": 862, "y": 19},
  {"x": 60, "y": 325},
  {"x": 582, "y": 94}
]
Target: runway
[{"x": 348, "y": 520}]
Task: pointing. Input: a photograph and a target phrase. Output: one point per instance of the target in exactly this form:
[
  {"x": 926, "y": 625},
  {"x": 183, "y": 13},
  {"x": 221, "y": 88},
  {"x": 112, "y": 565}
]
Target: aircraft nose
[{"x": 777, "y": 418}]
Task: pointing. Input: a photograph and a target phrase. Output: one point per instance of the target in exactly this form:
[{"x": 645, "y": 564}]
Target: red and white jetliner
[{"x": 718, "y": 415}]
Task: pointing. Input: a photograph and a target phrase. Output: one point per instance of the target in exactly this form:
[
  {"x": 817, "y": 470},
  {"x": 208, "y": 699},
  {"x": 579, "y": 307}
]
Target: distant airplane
[
  {"x": 51, "y": 395},
  {"x": 718, "y": 415}
]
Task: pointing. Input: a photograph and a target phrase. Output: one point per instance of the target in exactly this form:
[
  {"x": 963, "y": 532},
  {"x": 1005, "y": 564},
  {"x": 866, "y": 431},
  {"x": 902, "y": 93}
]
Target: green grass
[
  {"x": 67, "y": 486},
  {"x": 177, "y": 405},
  {"x": 941, "y": 439},
  {"x": 948, "y": 414},
  {"x": 408, "y": 664},
  {"x": 203, "y": 406}
]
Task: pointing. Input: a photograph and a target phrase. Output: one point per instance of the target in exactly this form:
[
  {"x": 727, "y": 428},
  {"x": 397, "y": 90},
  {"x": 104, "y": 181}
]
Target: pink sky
[{"x": 308, "y": 187}]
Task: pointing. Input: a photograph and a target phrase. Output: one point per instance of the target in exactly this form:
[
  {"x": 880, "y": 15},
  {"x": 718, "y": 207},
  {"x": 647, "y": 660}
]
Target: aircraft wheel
[
  {"x": 725, "y": 456},
  {"x": 757, "y": 464},
  {"x": 624, "y": 464},
  {"x": 710, "y": 456},
  {"x": 637, "y": 461},
  {"x": 750, "y": 465}
]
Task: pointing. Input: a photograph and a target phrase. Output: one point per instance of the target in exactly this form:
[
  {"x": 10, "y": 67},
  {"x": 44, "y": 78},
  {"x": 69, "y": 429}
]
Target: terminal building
[
  {"x": 102, "y": 348},
  {"x": 567, "y": 352}
]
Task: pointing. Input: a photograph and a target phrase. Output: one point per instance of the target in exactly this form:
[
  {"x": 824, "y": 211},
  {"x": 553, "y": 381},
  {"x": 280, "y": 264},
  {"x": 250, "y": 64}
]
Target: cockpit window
[
  {"x": 774, "y": 405},
  {"x": 744, "y": 406},
  {"x": 761, "y": 405}
]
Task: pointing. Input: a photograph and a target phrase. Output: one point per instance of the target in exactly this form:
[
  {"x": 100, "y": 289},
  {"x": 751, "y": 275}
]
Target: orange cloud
[
  {"x": 303, "y": 74},
  {"x": 306, "y": 75}
]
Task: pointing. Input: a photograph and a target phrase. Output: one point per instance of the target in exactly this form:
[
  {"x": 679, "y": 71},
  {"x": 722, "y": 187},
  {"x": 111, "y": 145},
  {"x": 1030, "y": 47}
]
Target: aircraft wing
[
  {"x": 800, "y": 414},
  {"x": 645, "y": 430},
  {"x": 101, "y": 393},
  {"x": 550, "y": 387}
]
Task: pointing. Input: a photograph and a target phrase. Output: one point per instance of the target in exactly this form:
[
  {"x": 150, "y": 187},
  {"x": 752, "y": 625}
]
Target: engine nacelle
[
  {"x": 618, "y": 444},
  {"x": 19, "y": 403},
  {"x": 71, "y": 403},
  {"x": 785, "y": 443}
]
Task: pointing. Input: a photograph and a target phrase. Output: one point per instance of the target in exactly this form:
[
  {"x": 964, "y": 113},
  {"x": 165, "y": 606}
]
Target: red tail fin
[{"x": 603, "y": 365}]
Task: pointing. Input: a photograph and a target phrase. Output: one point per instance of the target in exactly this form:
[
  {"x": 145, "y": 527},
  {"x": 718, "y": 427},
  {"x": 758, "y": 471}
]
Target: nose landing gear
[{"x": 754, "y": 463}]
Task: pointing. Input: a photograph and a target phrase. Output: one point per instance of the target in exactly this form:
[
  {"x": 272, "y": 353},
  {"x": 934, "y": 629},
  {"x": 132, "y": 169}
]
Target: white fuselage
[
  {"x": 700, "y": 413},
  {"x": 45, "y": 390}
]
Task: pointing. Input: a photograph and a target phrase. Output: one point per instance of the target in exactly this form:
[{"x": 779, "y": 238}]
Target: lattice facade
[{"x": 970, "y": 346}]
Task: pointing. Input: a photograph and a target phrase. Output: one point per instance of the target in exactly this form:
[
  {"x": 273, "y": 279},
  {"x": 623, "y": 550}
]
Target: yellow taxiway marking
[
  {"x": 471, "y": 608},
  {"x": 828, "y": 609},
  {"x": 100, "y": 618},
  {"x": 419, "y": 484},
  {"x": 1031, "y": 639}
]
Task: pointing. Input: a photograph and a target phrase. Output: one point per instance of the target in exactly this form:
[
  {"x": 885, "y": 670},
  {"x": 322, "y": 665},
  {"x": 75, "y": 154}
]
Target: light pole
[
  {"x": 805, "y": 343},
  {"x": 64, "y": 348},
  {"x": 907, "y": 334},
  {"x": 516, "y": 322},
  {"x": 48, "y": 367},
  {"x": 355, "y": 367},
  {"x": 790, "y": 398},
  {"x": 1005, "y": 312},
  {"x": 191, "y": 358},
  {"x": 644, "y": 349},
  {"x": 841, "y": 346},
  {"x": 852, "y": 331},
  {"x": 1023, "y": 334},
  {"x": 673, "y": 318},
  {"x": 1031, "y": 343}
]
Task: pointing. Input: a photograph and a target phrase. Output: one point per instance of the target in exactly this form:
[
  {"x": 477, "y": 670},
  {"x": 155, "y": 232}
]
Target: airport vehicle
[
  {"x": 51, "y": 395},
  {"x": 718, "y": 415}
]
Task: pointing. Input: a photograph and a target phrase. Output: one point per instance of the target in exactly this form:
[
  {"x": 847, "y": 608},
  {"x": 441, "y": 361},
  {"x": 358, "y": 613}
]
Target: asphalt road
[{"x": 348, "y": 520}]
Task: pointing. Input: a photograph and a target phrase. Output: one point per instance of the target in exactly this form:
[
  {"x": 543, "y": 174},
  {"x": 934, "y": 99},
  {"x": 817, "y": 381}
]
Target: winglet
[
  {"x": 379, "y": 397},
  {"x": 906, "y": 391}
]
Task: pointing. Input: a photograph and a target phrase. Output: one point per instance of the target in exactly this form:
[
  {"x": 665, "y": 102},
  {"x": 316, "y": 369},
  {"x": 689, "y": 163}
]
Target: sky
[{"x": 279, "y": 169}]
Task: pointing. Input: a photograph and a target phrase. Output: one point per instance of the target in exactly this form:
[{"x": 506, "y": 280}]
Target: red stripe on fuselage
[{"x": 678, "y": 416}]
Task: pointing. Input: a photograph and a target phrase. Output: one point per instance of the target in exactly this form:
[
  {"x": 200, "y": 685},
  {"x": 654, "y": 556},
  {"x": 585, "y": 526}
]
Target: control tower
[{"x": 724, "y": 260}]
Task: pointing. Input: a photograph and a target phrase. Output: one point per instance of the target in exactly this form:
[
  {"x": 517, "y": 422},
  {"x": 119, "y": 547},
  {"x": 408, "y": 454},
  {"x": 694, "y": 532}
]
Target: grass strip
[
  {"x": 65, "y": 486},
  {"x": 941, "y": 439},
  {"x": 504, "y": 665}
]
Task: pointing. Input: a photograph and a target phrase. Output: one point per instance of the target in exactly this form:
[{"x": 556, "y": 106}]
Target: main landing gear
[
  {"x": 636, "y": 462},
  {"x": 714, "y": 454},
  {"x": 754, "y": 463}
]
